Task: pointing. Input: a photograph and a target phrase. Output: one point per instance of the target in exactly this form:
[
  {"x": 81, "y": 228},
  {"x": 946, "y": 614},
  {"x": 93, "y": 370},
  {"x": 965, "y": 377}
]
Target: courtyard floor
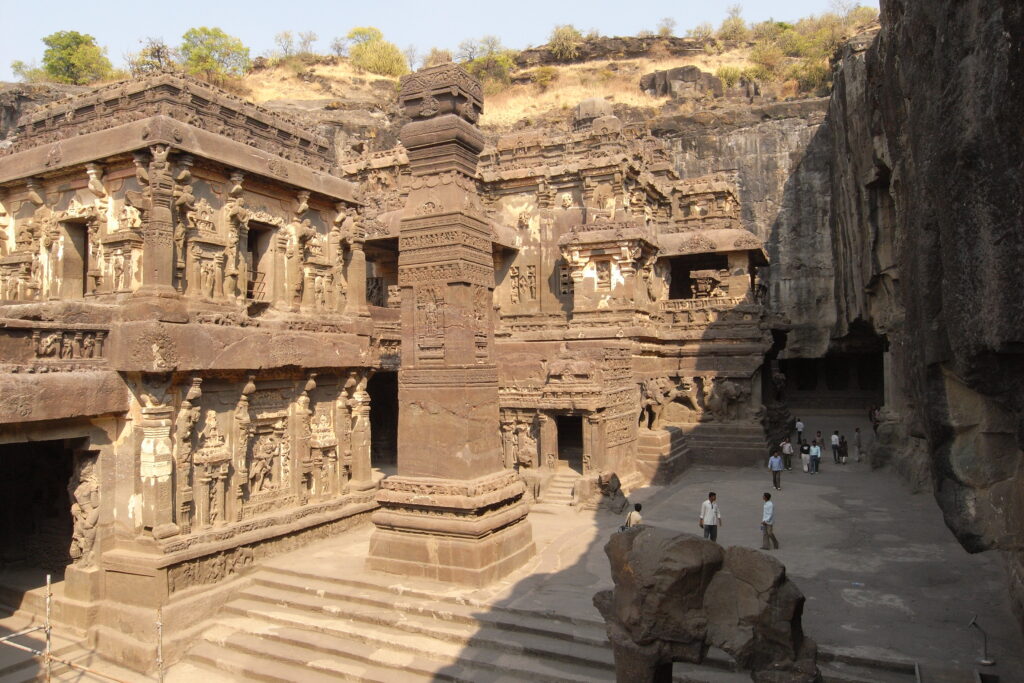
[{"x": 884, "y": 578}]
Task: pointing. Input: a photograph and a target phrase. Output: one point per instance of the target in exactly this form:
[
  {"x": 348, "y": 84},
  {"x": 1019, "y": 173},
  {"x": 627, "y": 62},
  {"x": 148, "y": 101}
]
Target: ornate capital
[{"x": 443, "y": 89}]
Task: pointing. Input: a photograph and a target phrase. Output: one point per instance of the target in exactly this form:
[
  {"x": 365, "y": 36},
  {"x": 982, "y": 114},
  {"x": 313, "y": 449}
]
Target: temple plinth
[{"x": 453, "y": 512}]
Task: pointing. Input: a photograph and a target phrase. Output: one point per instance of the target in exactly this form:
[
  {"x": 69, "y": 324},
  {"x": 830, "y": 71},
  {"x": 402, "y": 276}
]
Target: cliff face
[
  {"x": 928, "y": 203},
  {"x": 782, "y": 152}
]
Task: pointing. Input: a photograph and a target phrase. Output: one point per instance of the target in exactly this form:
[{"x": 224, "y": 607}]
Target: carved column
[
  {"x": 156, "y": 467},
  {"x": 158, "y": 230},
  {"x": 361, "y": 436},
  {"x": 453, "y": 513},
  {"x": 356, "y": 299}
]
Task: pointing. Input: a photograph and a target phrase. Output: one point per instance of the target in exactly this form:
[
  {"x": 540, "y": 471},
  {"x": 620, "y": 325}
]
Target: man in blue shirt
[
  {"x": 768, "y": 524},
  {"x": 815, "y": 456},
  {"x": 776, "y": 465}
]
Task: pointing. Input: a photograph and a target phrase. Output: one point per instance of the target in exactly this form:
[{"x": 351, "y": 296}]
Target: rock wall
[
  {"x": 782, "y": 152},
  {"x": 927, "y": 183},
  {"x": 18, "y": 98}
]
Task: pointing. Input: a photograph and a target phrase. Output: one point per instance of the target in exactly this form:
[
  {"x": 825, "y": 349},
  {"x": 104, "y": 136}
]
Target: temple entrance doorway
[
  {"x": 383, "y": 390},
  {"x": 259, "y": 243},
  {"x": 74, "y": 260},
  {"x": 570, "y": 441},
  {"x": 36, "y": 527}
]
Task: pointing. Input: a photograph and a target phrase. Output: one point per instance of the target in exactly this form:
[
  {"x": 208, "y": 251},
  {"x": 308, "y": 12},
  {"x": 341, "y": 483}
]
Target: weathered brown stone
[{"x": 676, "y": 595}]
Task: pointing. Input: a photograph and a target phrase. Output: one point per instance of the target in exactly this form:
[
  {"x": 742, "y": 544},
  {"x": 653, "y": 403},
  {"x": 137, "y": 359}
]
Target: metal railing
[{"x": 48, "y": 658}]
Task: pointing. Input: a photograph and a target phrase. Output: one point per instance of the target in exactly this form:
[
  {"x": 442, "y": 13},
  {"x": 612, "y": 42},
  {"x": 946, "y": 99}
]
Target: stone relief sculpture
[{"x": 85, "y": 509}]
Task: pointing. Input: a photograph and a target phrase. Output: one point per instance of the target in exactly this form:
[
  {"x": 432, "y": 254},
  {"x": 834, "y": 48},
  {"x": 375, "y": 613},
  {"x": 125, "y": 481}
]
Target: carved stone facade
[
  {"x": 193, "y": 296},
  {"x": 174, "y": 303}
]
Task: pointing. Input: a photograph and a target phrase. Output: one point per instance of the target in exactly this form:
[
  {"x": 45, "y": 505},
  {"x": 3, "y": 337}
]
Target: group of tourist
[
  {"x": 811, "y": 453},
  {"x": 780, "y": 460}
]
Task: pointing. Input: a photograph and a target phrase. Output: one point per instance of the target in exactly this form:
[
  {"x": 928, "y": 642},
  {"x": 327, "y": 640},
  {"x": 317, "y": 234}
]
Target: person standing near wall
[
  {"x": 787, "y": 453},
  {"x": 857, "y": 443},
  {"x": 775, "y": 465},
  {"x": 799, "y": 430},
  {"x": 768, "y": 524},
  {"x": 710, "y": 517},
  {"x": 815, "y": 456}
]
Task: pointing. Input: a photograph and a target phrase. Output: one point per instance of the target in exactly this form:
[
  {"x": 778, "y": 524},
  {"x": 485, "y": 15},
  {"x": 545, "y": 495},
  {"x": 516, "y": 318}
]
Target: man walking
[
  {"x": 710, "y": 517},
  {"x": 805, "y": 456},
  {"x": 768, "y": 524},
  {"x": 835, "y": 447},
  {"x": 775, "y": 465},
  {"x": 787, "y": 453},
  {"x": 856, "y": 443},
  {"x": 799, "y": 430},
  {"x": 815, "y": 456}
]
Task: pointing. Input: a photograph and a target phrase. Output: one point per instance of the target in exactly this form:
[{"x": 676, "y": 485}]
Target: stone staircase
[
  {"x": 736, "y": 445},
  {"x": 288, "y": 625},
  {"x": 291, "y": 626},
  {"x": 560, "y": 487}
]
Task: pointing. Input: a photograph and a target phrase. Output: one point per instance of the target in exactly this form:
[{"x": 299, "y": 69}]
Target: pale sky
[{"x": 119, "y": 25}]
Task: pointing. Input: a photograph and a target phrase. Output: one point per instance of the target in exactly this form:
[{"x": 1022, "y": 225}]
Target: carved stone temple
[{"x": 219, "y": 342}]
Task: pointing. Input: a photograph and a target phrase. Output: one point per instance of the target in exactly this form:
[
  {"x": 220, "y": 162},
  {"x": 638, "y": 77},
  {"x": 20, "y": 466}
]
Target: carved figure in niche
[
  {"x": 285, "y": 452},
  {"x": 186, "y": 421},
  {"x": 567, "y": 200},
  {"x": 514, "y": 276},
  {"x": 526, "y": 445},
  {"x": 722, "y": 401},
  {"x": 129, "y": 218},
  {"x": 779, "y": 385},
  {"x": 5, "y": 222},
  {"x": 604, "y": 274},
  {"x": 207, "y": 279},
  {"x": 261, "y": 468},
  {"x": 67, "y": 348},
  {"x": 531, "y": 281},
  {"x": 118, "y": 268},
  {"x": 85, "y": 509},
  {"x": 89, "y": 346},
  {"x": 211, "y": 436},
  {"x": 184, "y": 205},
  {"x": 51, "y": 345},
  {"x": 656, "y": 393}
]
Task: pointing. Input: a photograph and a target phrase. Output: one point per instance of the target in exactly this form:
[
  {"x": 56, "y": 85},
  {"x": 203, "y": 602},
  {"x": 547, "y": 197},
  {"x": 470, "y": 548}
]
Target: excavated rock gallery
[{"x": 362, "y": 385}]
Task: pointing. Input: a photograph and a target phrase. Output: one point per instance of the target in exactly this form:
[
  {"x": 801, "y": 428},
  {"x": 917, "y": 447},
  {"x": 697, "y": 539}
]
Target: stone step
[
  {"x": 347, "y": 645},
  {"x": 247, "y": 657},
  {"x": 319, "y": 590},
  {"x": 427, "y": 635}
]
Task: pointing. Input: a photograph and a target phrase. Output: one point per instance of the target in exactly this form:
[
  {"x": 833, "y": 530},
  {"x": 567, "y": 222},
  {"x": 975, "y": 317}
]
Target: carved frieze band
[
  {"x": 446, "y": 272},
  {"x": 453, "y": 377}
]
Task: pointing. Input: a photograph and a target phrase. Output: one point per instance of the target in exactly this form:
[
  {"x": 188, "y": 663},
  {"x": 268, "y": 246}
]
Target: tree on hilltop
[
  {"x": 70, "y": 57},
  {"x": 213, "y": 54},
  {"x": 370, "y": 52}
]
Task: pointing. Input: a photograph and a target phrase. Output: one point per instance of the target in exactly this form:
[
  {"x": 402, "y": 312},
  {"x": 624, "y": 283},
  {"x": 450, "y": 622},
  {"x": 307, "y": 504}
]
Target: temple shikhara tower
[{"x": 219, "y": 342}]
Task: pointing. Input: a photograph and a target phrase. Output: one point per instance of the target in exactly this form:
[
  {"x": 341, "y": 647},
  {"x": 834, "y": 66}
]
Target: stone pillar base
[{"x": 466, "y": 532}]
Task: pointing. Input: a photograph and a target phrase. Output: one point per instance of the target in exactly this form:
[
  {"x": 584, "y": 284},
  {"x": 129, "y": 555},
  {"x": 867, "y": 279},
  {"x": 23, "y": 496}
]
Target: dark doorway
[
  {"x": 683, "y": 285},
  {"x": 570, "y": 441},
  {"x": 383, "y": 390},
  {"x": 35, "y": 511},
  {"x": 260, "y": 256},
  {"x": 74, "y": 260}
]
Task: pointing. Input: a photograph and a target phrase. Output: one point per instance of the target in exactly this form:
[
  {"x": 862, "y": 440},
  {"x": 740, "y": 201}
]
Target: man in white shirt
[
  {"x": 710, "y": 517},
  {"x": 835, "y": 447},
  {"x": 799, "y": 430},
  {"x": 768, "y": 524}
]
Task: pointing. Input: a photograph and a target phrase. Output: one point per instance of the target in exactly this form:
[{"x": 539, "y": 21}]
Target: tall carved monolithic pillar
[{"x": 452, "y": 513}]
